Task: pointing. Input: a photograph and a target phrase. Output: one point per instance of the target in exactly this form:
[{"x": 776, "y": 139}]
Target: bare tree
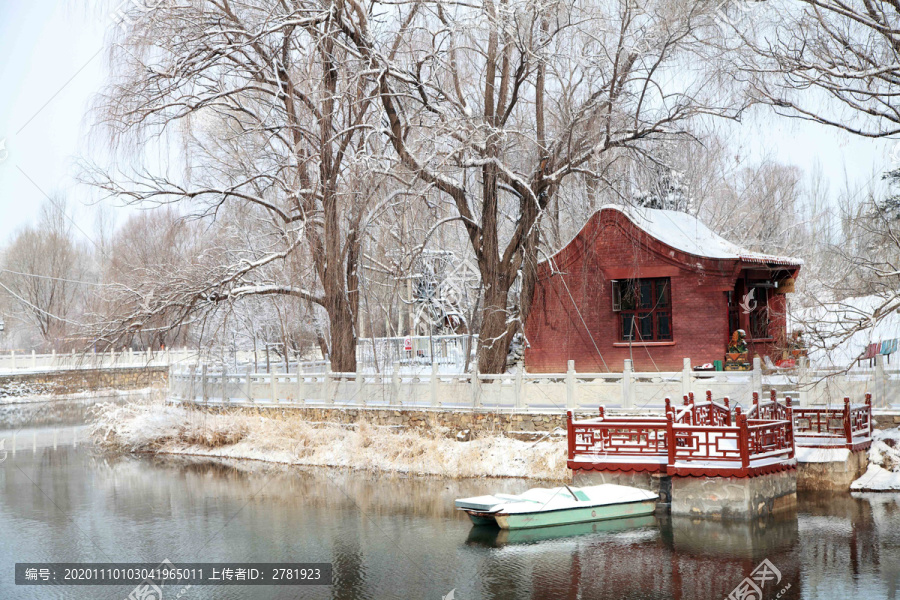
[
  {"x": 274, "y": 109},
  {"x": 498, "y": 105},
  {"x": 835, "y": 62},
  {"x": 44, "y": 275}
]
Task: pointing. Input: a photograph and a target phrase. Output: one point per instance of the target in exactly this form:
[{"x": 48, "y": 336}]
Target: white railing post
[
  {"x": 756, "y": 375},
  {"x": 360, "y": 385},
  {"x": 433, "y": 383},
  {"x": 627, "y": 387},
  {"x": 13, "y": 357},
  {"x": 686, "y": 382},
  {"x": 170, "y": 383},
  {"x": 301, "y": 380},
  {"x": 329, "y": 393},
  {"x": 395, "y": 384},
  {"x": 519, "y": 387},
  {"x": 248, "y": 389},
  {"x": 33, "y": 360},
  {"x": 570, "y": 384},
  {"x": 226, "y": 397},
  {"x": 273, "y": 385},
  {"x": 53, "y": 364},
  {"x": 476, "y": 388}
]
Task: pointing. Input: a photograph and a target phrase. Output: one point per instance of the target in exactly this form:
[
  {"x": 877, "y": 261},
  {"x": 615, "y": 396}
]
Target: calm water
[{"x": 394, "y": 537}]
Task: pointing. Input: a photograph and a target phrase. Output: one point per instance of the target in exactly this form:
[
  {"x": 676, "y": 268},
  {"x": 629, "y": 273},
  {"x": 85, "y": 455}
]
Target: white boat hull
[{"x": 560, "y": 506}]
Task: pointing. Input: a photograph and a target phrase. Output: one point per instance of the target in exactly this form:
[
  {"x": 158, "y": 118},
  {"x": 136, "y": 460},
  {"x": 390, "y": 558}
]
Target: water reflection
[
  {"x": 492, "y": 536},
  {"x": 400, "y": 537},
  {"x": 50, "y": 414}
]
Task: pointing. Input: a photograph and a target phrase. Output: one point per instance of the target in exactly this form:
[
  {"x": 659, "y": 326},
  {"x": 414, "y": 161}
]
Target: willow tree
[
  {"x": 264, "y": 110},
  {"x": 837, "y": 63},
  {"x": 834, "y": 62},
  {"x": 498, "y": 104}
]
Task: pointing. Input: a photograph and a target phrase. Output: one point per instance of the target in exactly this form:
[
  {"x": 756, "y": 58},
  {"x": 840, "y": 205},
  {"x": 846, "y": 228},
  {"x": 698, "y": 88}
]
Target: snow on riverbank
[
  {"x": 883, "y": 474},
  {"x": 164, "y": 429}
]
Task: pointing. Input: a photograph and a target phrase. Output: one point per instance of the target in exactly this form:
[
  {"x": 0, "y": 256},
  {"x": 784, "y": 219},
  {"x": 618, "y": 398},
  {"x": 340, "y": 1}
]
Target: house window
[{"x": 645, "y": 309}]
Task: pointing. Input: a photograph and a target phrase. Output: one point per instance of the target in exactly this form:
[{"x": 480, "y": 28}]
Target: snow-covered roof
[{"x": 687, "y": 233}]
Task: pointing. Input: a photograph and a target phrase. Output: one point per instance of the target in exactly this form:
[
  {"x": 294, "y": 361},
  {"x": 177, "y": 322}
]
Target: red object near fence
[{"x": 871, "y": 352}]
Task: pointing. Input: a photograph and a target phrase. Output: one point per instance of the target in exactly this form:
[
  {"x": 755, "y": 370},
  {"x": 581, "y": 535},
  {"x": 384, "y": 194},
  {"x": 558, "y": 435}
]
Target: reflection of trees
[
  {"x": 35, "y": 484},
  {"x": 46, "y": 414},
  {"x": 348, "y": 568},
  {"x": 847, "y": 541}
]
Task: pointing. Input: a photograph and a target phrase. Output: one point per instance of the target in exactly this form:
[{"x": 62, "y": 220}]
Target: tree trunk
[
  {"x": 343, "y": 338},
  {"x": 495, "y": 334}
]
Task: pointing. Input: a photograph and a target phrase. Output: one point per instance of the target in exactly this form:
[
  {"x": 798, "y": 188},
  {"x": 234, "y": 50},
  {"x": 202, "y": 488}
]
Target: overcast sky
[{"x": 52, "y": 62}]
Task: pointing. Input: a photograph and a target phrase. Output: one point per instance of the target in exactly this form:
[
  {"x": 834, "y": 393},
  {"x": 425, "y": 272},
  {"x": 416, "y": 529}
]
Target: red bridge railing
[
  {"x": 706, "y": 438},
  {"x": 696, "y": 439},
  {"x": 771, "y": 408},
  {"x": 847, "y": 427}
]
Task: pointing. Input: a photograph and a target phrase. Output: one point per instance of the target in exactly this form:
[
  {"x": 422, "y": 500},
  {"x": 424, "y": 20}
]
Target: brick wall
[
  {"x": 573, "y": 302},
  {"x": 74, "y": 381}
]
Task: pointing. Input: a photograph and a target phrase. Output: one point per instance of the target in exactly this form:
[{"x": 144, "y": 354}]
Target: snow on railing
[
  {"x": 847, "y": 427},
  {"x": 13, "y": 362},
  {"x": 694, "y": 440}
]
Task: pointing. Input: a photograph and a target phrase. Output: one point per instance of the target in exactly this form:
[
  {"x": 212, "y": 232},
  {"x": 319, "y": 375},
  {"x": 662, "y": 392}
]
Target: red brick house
[{"x": 653, "y": 286}]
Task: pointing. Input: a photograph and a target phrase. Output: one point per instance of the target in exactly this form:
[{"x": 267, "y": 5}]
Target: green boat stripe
[
  {"x": 574, "y": 515},
  {"x": 553, "y": 510}
]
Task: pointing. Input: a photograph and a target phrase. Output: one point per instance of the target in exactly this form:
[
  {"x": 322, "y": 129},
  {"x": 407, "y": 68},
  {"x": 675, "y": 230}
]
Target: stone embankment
[
  {"x": 80, "y": 381},
  {"x": 520, "y": 426}
]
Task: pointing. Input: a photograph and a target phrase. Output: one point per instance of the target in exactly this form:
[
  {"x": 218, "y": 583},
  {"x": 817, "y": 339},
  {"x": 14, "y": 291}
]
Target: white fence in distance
[
  {"x": 518, "y": 391},
  {"x": 19, "y": 361},
  {"x": 12, "y": 362},
  {"x": 380, "y": 354}
]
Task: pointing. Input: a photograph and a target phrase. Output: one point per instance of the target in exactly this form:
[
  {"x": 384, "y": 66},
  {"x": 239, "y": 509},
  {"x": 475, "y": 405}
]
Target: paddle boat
[
  {"x": 490, "y": 536},
  {"x": 566, "y": 505}
]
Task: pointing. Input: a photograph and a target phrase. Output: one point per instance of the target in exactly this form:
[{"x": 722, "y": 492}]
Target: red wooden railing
[
  {"x": 847, "y": 427},
  {"x": 770, "y": 409},
  {"x": 703, "y": 442}
]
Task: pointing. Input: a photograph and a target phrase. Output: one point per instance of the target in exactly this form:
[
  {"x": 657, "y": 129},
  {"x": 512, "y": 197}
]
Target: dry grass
[{"x": 155, "y": 427}]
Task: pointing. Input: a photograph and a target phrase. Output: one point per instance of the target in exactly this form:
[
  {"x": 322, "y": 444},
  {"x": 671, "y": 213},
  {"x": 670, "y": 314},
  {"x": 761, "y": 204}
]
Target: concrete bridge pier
[
  {"x": 717, "y": 497},
  {"x": 734, "y": 497}
]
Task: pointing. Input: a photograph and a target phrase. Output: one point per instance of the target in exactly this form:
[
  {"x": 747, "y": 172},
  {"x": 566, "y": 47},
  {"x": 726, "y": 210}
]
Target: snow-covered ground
[
  {"x": 821, "y": 455},
  {"x": 883, "y": 474},
  {"x": 165, "y": 429}
]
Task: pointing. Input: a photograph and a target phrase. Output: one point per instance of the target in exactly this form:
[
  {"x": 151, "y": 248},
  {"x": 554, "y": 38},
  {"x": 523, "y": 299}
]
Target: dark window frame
[{"x": 645, "y": 313}]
